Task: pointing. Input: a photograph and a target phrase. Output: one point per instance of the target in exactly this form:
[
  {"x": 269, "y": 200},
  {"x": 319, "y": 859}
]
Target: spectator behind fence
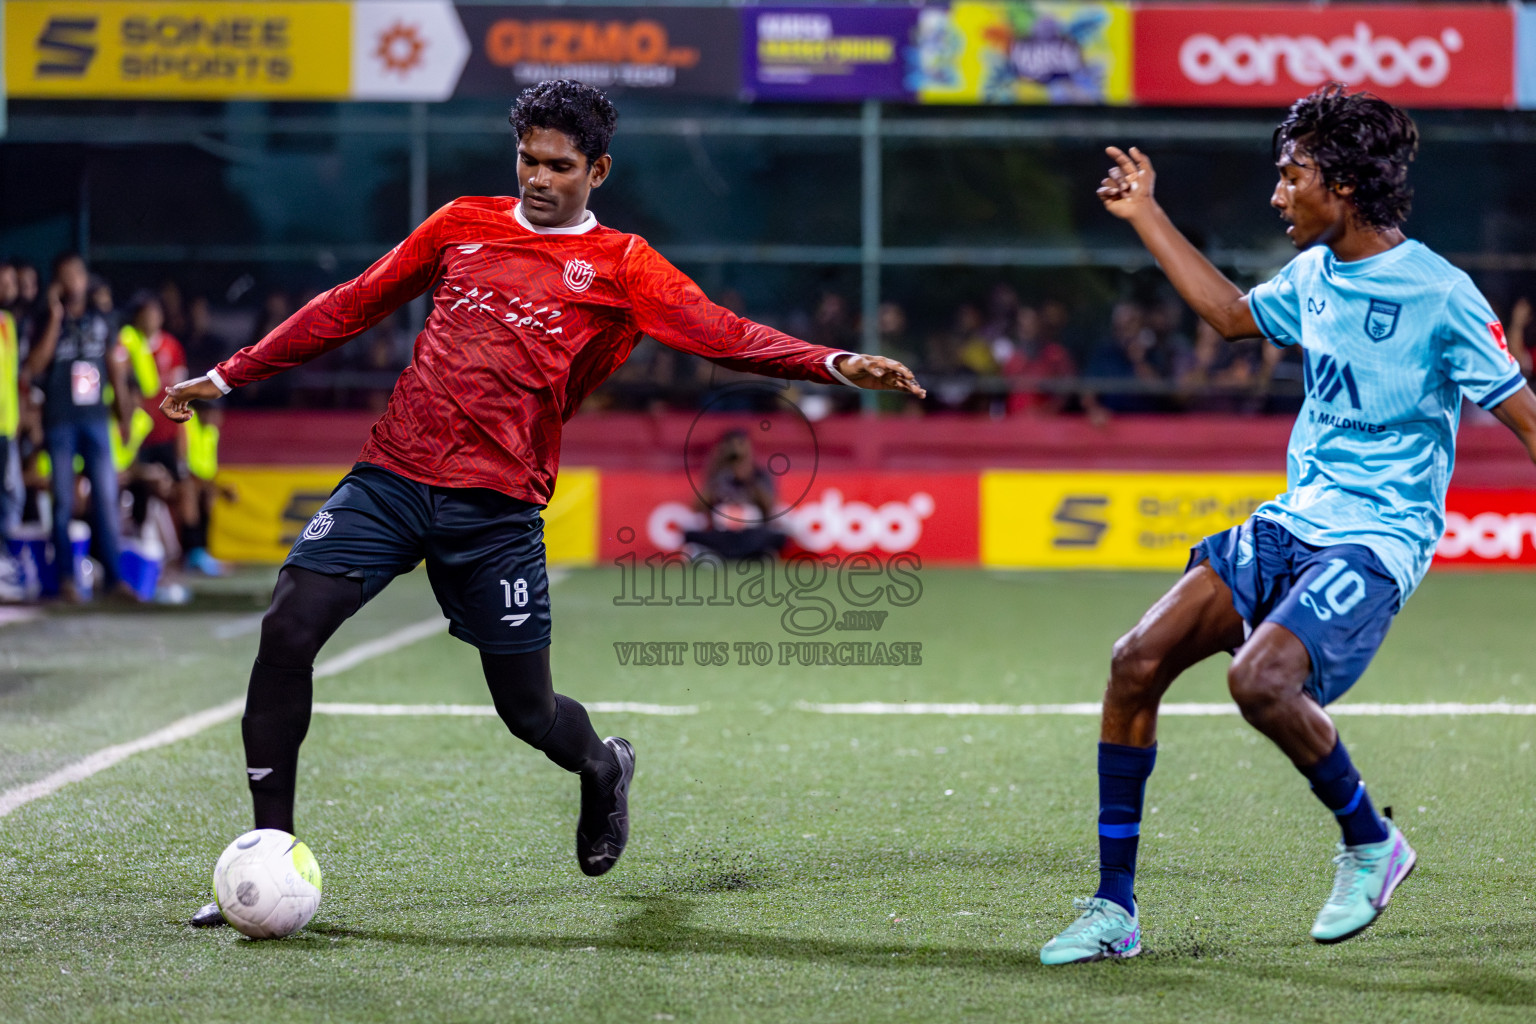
[
  {"x": 1222, "y": 376},
  {"x": 738, "y": 497},
  {"x": 896, "y": 344},
  {"x": 1125, "y": 355},
  {"x": 203, "y": 347},
  {"x": 1517, "y": 339},
  {"x": 1034, "y": 361},
  {"x": 75, "y": 358},
  {"x": 11, "y": 494}
]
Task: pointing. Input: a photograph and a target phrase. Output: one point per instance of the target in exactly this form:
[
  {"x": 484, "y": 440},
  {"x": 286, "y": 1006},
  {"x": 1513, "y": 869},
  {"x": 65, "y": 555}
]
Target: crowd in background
[
  {"x": 81, "y": 377},
  {"x": 82, "y": 441},
  {"x": 1004, "y": 357}
]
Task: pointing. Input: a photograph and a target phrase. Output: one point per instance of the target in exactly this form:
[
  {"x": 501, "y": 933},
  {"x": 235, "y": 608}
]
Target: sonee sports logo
[
  {"x": 66, "y": 47},
  {"x": 319, "y": 526},
  {"x": 579, "y": 275}
]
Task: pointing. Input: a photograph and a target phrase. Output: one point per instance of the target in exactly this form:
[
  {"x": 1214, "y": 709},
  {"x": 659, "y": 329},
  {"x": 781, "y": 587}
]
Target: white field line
[
  {"x": 16, "y": 616},
  {"x": 1189, "y": 710},
  {"x": 193, "y": 724},
  {"x": 620, "y": 707}
]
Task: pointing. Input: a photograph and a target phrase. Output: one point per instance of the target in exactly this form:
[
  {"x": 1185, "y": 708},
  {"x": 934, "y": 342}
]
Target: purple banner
[{"x": 826, "y": 53}]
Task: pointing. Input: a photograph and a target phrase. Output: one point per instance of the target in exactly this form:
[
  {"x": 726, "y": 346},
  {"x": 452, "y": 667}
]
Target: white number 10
[{"x": 1342, "y": 590}]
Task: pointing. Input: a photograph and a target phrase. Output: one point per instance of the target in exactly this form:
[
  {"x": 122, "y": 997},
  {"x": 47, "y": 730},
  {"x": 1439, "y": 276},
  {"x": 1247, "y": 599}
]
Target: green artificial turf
[{"x": 784, "y": 865}]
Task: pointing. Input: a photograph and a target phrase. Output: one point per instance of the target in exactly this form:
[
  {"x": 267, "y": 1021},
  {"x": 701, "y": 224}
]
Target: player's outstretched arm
[
  {"x": 673, "y": 309},
  {"x": 879, "y": 373},
  {"x": 334, "y": 317},
  {"x": 1518, "y": 413},
  {"x": 177, "y": 403},
  {"x": 1127, "y": 192}
]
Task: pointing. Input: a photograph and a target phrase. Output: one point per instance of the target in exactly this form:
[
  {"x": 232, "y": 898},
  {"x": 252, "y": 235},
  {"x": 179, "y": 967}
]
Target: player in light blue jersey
[{"x": 1303, "y": 592}]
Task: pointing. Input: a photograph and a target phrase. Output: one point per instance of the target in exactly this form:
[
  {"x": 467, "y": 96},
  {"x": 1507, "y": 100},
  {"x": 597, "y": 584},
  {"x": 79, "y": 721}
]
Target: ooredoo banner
[
  {"x": 1488, "y": 529},
  {"x": 934, "y": 515},
  {"x": 1429, "y": 55},
  {"x": 668, "y": 50},
  {"x": 1525, "y": 59}
]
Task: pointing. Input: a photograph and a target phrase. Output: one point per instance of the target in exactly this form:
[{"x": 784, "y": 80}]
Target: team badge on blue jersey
[{"x": 1381, "y": 319}]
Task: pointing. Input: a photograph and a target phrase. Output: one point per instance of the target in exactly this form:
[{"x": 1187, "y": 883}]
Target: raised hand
[
  {"x": 1128, "y": 188},
  {"x": 877, "y": 373},
  {"x": 177, "y": 404}
]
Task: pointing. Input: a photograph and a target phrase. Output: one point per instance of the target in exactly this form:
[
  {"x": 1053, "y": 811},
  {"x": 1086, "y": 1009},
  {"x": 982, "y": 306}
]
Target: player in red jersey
[{"x": 534, "y": 304}]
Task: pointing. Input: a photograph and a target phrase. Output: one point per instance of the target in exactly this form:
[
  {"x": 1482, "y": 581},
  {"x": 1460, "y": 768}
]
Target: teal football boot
[
  {"x": 1104, "y": 932},
  {"x": 1363, "y": 882}
]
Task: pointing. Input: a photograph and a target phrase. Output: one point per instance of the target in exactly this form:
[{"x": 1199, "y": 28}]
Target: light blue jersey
[{"x": 1390, "y": 343}]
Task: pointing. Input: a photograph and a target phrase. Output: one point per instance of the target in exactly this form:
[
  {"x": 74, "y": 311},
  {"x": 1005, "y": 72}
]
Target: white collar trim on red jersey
[{"x": 587, "y": 224}]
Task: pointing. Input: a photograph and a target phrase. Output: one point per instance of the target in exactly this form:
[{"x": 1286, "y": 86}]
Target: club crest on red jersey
[{"x": 579, "y": 275}]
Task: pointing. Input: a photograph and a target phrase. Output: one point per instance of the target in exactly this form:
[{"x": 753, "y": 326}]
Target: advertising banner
[
  {"x": 934, "y": 515},
  {"x": 116, "y": 50},
  {"x": 1068, "y": 520},
  {"x": 670, "y": 50},
  {"x": 266, "y": 508},
  {"x": 827, "y": 53},
  {"x": 1525, "y": 57},
  {"x": 271, "y": 505},
  {"x": 1023, "y": 53},
  {"x": 1426, "y": 55},
  {"x": 1488, "y": 529},
  {"x": 406, "y": 50}
]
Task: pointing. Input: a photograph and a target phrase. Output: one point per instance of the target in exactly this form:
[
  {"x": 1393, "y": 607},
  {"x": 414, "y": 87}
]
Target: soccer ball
[{"x": 267, "y": 884}]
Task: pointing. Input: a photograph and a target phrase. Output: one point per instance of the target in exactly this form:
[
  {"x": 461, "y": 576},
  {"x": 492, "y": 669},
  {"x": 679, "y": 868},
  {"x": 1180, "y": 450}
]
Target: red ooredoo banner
[
  {"x": 935, "y": 515},
  {"x": 1433, "y": 55},
  {"x": 1488, "y": 529}
]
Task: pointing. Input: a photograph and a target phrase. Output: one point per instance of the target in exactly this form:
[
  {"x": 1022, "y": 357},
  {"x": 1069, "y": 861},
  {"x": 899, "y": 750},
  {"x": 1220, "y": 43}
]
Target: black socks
[
  {"x": 277, "y": 706},
  {"x": 545, "y": 720}
]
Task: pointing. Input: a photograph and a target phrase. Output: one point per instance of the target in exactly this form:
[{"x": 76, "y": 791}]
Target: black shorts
[{"x": 484, "y": 552}]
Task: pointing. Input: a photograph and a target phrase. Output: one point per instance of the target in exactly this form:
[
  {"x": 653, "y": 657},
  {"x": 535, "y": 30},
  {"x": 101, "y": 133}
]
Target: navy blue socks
[
  {"x": 1338, "y": 785},
  {"x": 1123, "y": 773}
]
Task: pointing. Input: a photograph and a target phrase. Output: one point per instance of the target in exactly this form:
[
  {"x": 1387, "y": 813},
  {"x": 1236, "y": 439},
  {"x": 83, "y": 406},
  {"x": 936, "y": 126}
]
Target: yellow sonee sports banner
[
  {"x": 117, "y": 50},
  {"x": 1069, "y": 520},
  {"x": 272, "y": 504}
]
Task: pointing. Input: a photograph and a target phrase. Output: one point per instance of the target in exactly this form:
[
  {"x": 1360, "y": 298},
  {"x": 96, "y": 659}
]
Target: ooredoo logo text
[
  {"x": 1360, "y": 58},
  {"x": 1426, "y": 55}
]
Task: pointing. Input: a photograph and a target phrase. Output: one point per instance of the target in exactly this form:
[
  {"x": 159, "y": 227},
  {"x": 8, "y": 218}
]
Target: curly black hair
[
  {"x": 568, "y": 106},
  {"x": 1356, "y": 139}
]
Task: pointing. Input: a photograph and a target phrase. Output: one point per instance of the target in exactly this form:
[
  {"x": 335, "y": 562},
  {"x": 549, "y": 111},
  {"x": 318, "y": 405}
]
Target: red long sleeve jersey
[{"x": 524, "y": 325}]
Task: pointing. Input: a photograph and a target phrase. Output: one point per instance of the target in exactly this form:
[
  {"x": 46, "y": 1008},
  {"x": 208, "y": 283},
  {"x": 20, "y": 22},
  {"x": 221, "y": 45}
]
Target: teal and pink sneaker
[
  {"x": 1363, "y": 882},
  {"x": 1105, "y": 931}
]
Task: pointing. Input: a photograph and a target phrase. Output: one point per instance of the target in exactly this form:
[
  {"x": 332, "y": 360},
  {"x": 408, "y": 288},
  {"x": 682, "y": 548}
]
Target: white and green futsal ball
[{"x": 267, "y": 884}]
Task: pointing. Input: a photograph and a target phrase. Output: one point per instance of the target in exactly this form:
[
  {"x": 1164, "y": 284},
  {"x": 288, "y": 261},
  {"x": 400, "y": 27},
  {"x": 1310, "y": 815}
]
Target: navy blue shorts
[
  {"x": 484, "y": 552},
  {"x": 1339, "y": 600}
]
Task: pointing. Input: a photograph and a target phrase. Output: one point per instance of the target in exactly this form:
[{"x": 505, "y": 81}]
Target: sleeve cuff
[
  {"x": 218, "y": 381},
  {"x": 1270, "y": 335},
  {"x": 831, "y": 365},
  {"x": 1503, "y": 391}
]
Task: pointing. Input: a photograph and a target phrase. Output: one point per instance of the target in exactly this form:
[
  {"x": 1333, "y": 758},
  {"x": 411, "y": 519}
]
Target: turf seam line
[
  {"x": 191, "y": 725},
  {"x": 1430, "y": 710}
]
